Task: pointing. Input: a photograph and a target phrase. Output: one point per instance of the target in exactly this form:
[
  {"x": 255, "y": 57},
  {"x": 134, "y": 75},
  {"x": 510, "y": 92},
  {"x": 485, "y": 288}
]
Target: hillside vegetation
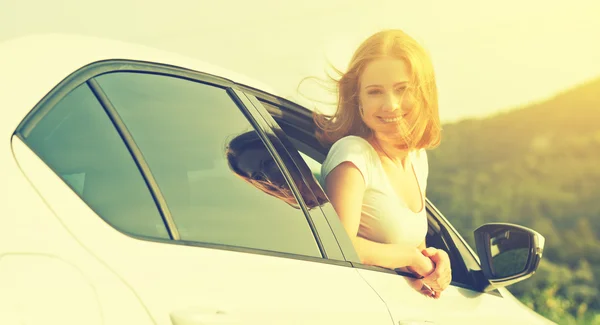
[{"x": 538, "y": 166}]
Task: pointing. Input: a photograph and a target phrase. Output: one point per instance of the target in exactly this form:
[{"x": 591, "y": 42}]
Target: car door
[
  {"x": 464, "y": 302},
  {"x": 137, "y": 161}
]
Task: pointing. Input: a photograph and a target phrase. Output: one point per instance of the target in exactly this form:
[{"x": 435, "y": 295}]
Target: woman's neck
[{"x": 389, "y": 149}]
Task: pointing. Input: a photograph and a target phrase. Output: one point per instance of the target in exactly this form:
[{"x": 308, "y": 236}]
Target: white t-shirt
[{"x": 385, "y": 217}]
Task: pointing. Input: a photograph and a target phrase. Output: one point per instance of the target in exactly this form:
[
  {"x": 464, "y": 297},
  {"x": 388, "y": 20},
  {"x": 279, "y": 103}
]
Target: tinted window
[
  {"x": 184, "y": 130},
  {"x": 79, "y": 142}
]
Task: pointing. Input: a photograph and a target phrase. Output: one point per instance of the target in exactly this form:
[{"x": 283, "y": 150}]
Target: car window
[
  {"x": 80, "y": 143},
  {"x": 313, "y": 165},
  {"x": 218, "y": 179}
]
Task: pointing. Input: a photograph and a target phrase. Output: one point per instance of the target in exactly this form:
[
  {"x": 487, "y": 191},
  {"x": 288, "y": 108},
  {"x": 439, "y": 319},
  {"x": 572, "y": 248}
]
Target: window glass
[
  {"x": 315, "y": 166},
  {"x": 219, "y": 181},
  {"x": 79, "y": 142}
]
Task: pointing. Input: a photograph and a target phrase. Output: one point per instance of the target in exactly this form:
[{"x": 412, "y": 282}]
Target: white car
[{"x": 120, "y": 205}]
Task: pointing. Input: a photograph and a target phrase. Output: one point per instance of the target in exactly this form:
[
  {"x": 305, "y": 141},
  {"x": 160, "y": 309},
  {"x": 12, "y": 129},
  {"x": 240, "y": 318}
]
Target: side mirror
[{"x": 508, "y": 253}]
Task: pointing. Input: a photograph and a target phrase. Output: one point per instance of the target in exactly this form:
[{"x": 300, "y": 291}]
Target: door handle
[{"x": 201, "y": 316}]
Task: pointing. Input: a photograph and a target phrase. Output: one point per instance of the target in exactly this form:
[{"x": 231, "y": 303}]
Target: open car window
[{"x": 299, "y": 131}]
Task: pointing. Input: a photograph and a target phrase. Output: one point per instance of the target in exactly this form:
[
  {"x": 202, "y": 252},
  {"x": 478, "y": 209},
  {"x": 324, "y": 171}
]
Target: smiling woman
[
  {"x": 376, "y": 171},
  {"x": 389, "y": 60}
]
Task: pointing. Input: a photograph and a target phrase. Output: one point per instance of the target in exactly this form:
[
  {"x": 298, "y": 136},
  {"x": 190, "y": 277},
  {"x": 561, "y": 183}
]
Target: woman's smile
[{"x": 392, "y": 118}]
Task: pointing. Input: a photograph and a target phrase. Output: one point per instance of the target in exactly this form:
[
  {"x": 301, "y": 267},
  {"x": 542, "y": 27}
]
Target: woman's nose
[{"x": 392, "y": 103}]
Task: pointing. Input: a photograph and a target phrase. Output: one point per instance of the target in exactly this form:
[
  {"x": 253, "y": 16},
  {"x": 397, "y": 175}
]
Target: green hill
[{"x": 539, "y": 166}]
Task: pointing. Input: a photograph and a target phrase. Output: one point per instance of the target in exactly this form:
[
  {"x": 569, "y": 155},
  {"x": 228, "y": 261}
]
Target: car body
[{"x": 120, "y": 204}]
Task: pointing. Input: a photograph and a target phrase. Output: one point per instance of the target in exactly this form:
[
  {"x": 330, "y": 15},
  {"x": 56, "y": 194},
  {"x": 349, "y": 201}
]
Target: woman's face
[{"x": 385, "y": 98}]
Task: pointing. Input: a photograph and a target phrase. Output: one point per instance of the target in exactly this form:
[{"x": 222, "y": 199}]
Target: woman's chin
[{"x": 395, "y": 137}]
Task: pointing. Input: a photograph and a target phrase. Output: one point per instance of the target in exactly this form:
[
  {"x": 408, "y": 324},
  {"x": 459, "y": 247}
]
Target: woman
[{"x": 375, "y": 173}]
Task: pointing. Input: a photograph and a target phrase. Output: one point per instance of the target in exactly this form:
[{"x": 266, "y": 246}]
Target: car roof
[{"x": 33, "y": 65}]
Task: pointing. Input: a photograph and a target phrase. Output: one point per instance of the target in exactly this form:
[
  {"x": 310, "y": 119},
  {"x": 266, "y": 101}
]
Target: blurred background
[{"x": 519, "y": 85}]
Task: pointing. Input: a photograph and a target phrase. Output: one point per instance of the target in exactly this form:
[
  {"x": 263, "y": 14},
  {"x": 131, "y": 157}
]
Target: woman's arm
[
  {"x": 345, "y": 187},
  {"x": 422, "y": 246}
]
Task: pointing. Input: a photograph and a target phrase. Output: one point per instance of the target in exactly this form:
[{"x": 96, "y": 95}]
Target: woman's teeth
[{"x": 390, "y": 120}]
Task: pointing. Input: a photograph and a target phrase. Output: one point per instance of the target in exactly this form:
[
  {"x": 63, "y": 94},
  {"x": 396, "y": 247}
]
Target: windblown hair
[
  {"x": 425, "y": 132},
  {"x": 258, "y": 179}
]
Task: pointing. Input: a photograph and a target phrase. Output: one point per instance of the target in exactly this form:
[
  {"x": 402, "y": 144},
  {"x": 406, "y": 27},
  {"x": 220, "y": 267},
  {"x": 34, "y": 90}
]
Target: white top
[{"x": 385, "y": 217}]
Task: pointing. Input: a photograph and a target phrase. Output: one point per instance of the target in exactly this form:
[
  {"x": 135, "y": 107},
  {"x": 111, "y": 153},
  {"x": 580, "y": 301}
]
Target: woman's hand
[
  {"x": 422, "y": 265},
  {"x": 441, "y": 277}
]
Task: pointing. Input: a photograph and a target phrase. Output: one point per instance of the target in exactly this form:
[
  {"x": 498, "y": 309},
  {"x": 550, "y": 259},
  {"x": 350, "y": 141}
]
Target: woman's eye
[
  {"x": 401, "y": 89},
  {"x": 374, "y": 92}
]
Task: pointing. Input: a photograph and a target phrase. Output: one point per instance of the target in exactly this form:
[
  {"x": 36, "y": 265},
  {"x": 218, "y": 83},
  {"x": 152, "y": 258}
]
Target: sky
[{"x": 489, "y": 56}]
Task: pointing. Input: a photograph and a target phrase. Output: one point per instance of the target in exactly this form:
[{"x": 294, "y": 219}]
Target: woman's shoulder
[
  {"x": 351, "y": 142},
  {"x": 353, "y": 149},
  {"x": 420, "y": 154},
  {"x": 351, "y": 146}
]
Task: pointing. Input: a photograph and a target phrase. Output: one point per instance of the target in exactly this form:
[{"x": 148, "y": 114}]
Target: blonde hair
[{"x": 425, "y": 132}]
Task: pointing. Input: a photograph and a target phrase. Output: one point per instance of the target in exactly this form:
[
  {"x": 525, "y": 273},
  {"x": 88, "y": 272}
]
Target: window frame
[
  {"x": 87, "y": 74},
  {"x": 300, "y": 113},
  {"x": 331, "y": 244}
]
